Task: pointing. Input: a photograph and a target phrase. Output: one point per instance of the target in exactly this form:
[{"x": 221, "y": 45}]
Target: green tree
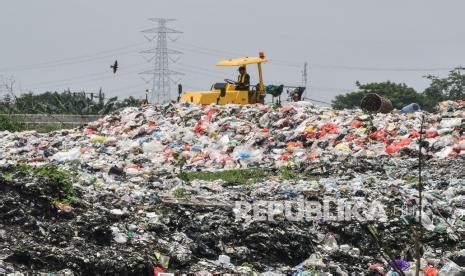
[
  {"x": 66, "y": 103},
  {"x": 399, "y": 94},
  {"x": 451, "y": 87}
]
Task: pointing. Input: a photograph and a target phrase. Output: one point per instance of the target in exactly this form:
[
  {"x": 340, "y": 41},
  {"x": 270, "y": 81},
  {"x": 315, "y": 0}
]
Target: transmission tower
[{"x": 161, "y": 75}]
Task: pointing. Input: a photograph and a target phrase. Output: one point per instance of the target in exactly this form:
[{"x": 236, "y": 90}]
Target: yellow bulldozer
[{"x": 227, "y": 92}]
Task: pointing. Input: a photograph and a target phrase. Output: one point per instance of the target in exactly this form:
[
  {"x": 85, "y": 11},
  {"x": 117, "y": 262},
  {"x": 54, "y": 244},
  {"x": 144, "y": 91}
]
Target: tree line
[
  {"x": 66, "y": 102},
  {"x": 63, "y": 103},
  {"x": 440, "y": 89}
]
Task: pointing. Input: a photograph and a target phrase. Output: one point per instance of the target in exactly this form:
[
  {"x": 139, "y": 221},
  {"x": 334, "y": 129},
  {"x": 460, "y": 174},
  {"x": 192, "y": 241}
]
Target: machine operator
[{"x": 243, "y": 80}]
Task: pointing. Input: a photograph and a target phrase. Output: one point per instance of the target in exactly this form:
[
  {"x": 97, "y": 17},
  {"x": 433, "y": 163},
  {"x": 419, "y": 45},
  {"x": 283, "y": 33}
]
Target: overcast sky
[{"x": 59, "y": 44}]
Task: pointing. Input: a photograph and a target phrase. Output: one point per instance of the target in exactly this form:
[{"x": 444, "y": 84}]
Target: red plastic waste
[
  {"x": 152, "y": 123},
  {"x": 209, "y": 115},
  {"x": 379, "y": 135},
  {"x": 328, "y": 128},
  {"x": 394, "y": 147},
  {"x": 414, "y": 134},
  {"x": 391, "y": 149},
  {"x": 431, "y": 134},
  {"x": 356, "y": 124},
  {"x": 157, "y": 270},
  {"x": 199, "y": 129},
  {"x": 430, "y": 271},
  {"x": 90, "y": 131},
  {"x": 284, "y": 156}
]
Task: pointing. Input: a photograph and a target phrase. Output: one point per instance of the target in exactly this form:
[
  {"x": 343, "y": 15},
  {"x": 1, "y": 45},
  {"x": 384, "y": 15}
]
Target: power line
[
  {"x": 288, "y": 63},
  {"x": 87, "y": 80},
  {"x": 90, "y": 59},
  {"x": 318, "y": 101},
  {"x": 126, "y": 88},
  {"x": 195, "y": 70},
  {"x": 383, "y": 69},
  {"x": 72, "y": 60},
  {"x": 85, "y": 76}
]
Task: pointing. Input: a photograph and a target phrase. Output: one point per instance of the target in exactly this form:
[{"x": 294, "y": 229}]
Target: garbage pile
[{"x": 126, "y": 194}]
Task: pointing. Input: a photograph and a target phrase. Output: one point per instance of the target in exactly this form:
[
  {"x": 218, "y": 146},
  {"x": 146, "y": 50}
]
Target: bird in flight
[{"x": 114, "y": 67}]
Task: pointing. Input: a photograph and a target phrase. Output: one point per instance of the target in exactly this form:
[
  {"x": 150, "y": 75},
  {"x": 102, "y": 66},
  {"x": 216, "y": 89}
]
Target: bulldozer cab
[{"x": 226, "y": 92}]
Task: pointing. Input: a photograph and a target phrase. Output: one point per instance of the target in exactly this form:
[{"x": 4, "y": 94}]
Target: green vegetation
[
  {"x": 246, "y": 176},
  {"x": 181, "y": 193},
  {"x": 7, "y": 123},
  {"x": 62, "y": 179},
  {"x": 8, "y": 176},
  {"x": 77, "y": 103},
  {"x": 24, "y": 168},
  {"x": 64, "y": 192},
  {"x": 451, "y": 87},
  {"x": 247, "y": 264},
  {"x": 412, "y": 178},
  {"x": 46, "y": 128},
  {"x": 288, "y": 173},
  {"x": 67, "y": 102},
  {"x": 399, "y": 94}
]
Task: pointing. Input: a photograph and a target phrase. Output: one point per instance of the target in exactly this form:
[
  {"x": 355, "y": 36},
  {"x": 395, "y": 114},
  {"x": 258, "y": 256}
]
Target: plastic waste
[
  {"x": 71, "y": 155},
  {"x": 120, "y": 238},
  {"x": 451, "y": 122},
  {"x": 330, "y": 243},
  {"x": 344, "y": 248},
  {"x": 413, "y": 107},
  {"x": 402, "y": 264},
  {"x": 224, "y": 259},
  {"x": 116, "y": 212},
  {"x": 426, "y": 221},
  {"x": 392, "y": 273},
  {"x": 126, "y": 181},
  {"x": 450, "y": 268},
  {"x": 162, "y": 259},
  {"x": 315, "y": 260},
  {"x": 430, "y": 271},
  {"x": 157, "y": 271},
  {"x": 97, "y": 139}
]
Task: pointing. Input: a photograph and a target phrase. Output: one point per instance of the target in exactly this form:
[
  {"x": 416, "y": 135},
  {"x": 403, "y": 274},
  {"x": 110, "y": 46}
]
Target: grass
[
  {"x": 13, "y": 125},
  {"x": 7, "y": 123},
  {"x": 287, "y": 173},
  {"x": 23, "y": 168},
  {"x": 181, "y": 193},
  {"x": 247, "y": 264},
  {"x": 60, "y": 177},
  {"x": 412, "y": 179},
  {"x": 245, "y": 176},
  {"x": 8, "y": 176},
  {"x": 46, "y": 128}
]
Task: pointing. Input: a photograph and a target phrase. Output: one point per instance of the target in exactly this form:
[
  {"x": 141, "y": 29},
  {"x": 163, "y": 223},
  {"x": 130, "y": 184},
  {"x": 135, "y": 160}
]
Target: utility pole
[
  {"x": 161, "y": 75},
  {"x": 304, "y": 79},
  {"x": 101, "y": 96}
]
